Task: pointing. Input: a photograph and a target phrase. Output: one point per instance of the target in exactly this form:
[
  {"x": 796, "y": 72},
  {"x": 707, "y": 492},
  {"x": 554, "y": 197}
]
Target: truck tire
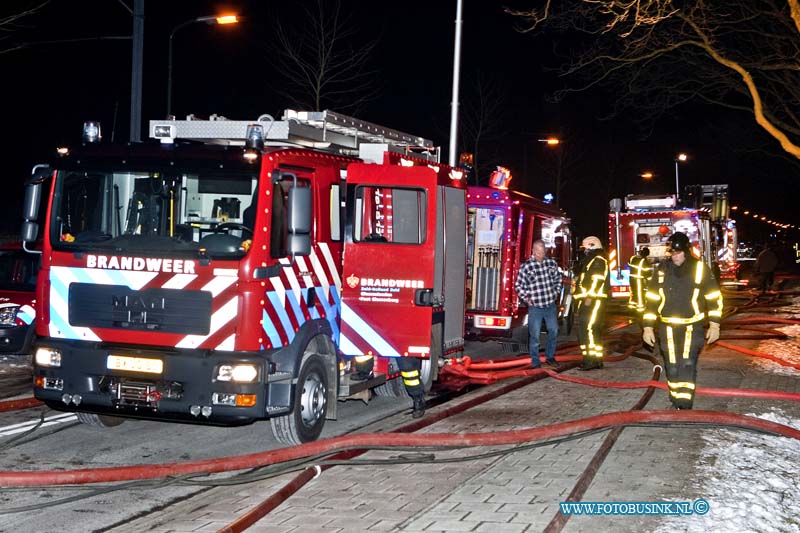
[
  {"x": 305, "y": 422},
  {"x": 99, "y": 421},
  {"x": 429, "y": 371}
]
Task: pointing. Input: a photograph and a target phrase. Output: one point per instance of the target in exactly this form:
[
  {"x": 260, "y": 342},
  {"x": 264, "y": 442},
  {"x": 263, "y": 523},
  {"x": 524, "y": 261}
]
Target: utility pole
[
  {"x": 136, "y": 70},
  {"x": 456, "y": 76}
]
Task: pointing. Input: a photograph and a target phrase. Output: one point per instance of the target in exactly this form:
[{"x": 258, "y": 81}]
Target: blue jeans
[{"x": 535, "y": 316}]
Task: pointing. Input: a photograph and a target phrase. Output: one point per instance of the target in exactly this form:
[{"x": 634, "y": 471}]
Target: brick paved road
[{"x": 514, "y": 492}]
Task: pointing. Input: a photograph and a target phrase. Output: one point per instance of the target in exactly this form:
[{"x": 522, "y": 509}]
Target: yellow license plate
[{"x": 135, "y": 364}]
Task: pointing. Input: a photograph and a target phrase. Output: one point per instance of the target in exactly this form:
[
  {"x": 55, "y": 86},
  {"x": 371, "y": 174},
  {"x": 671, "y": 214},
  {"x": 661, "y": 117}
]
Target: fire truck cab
[
  {"x": 649, "y": 220},
  {"x": 230, "y": 271}
]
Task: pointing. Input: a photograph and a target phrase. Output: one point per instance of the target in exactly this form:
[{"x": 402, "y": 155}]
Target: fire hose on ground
[{"x": 394, "y": 440}]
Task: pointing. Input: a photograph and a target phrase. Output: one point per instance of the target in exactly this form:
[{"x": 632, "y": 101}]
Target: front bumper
[{"x": 185, "y": 389}]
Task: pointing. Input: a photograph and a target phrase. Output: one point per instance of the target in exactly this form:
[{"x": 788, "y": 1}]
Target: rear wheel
[
  {"x": 429, "y": 370},
  {"x": 99, "y": 421},
  {"x": 305, "y": 422},
  {"x": 392, "y": 388}
]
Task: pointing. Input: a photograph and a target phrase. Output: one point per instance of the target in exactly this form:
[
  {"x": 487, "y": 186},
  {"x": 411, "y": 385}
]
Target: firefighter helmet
[
  {"x": 678, "y": 242},
  {"x": 591, "y": 243}
]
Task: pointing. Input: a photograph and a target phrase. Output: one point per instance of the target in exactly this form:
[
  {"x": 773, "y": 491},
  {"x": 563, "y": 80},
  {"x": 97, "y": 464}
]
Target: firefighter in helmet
[
  {"x": 641, "y": 272},
  {"x": 591, "y": 293},
  {"x": 682, "y": 295}
]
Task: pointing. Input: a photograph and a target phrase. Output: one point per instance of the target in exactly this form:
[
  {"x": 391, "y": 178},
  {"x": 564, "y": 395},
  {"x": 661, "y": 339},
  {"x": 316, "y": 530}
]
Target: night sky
[{"x": 49, "y": 89}]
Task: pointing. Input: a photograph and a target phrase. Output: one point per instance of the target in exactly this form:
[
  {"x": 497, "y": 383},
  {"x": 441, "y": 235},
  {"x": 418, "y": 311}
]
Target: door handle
[{"x": 423, "y": 297}]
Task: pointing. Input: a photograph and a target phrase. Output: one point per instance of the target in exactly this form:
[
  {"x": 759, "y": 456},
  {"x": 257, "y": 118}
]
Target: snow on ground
[
  {"x": 751, "y": 481},
  {"x": 786, "y": 349}
]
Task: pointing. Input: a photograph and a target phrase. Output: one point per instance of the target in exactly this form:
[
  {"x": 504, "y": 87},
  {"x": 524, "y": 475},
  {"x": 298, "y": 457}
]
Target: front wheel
[
  {"x": 99, "y": 421},
  {"x": 305, "y": 422}
]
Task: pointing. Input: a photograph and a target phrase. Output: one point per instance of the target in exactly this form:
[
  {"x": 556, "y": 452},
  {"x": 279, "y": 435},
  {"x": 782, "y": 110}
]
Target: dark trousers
[
  {"x": 765, "y": 280},
  {"x": 680, "y": 347},
  {"x": 590, "y": 319},
  {"x": 410, "y": 371}
]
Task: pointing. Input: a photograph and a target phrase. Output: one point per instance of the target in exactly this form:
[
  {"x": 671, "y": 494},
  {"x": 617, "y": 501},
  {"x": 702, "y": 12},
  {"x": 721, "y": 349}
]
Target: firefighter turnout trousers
[
  {"x": 680, "y": 346},
  {"x": 590, "y": 319},
  {"x": 410, "y": 372}
]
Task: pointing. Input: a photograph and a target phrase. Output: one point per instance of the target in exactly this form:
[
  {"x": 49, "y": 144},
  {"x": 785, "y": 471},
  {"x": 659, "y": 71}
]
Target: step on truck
[{"x": 229, "y": 271}]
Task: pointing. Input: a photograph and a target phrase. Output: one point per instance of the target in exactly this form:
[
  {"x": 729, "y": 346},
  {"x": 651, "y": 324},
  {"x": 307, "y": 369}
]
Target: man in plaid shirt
[{"x": 538, "y": 284}]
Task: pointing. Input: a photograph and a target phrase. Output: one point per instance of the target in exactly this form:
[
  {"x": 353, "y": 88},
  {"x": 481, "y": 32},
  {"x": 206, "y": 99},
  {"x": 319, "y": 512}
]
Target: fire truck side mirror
[
  {"x": 30, "y": 212},
  {"x": 299, "y": 211}
]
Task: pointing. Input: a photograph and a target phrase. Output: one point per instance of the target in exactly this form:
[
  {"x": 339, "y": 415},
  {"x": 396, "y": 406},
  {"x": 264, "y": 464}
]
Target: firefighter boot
[{"x": 419, "y": 407}]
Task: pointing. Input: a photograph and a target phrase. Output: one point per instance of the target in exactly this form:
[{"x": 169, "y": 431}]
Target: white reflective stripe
[
  {"x": 332, "y": 268},
  {"x": 219, "y": 284},
  {"x": 280, "y": 290},
  {"x": 301, "y": 262},
  {"x": 322, "y": 277},
  {"x": 179, "y": 281},
  {"x": 222, "y": 316},
  {"x": 288, "y": 271},
  {"x": 228, "y": 272},
  {"x": 591, "y": 323},
  {"x": 228, "y": 344},
  {"x": 698, "y": 274}
]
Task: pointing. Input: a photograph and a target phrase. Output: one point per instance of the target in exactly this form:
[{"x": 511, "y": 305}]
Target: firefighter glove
[
  {"x": 712, "y": 335},
  {"x": 649, "y": 336}
]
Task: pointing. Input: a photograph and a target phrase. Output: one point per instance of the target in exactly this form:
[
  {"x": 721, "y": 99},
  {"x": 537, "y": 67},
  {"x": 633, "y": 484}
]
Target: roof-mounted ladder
[{"x": 322, "y": 130}]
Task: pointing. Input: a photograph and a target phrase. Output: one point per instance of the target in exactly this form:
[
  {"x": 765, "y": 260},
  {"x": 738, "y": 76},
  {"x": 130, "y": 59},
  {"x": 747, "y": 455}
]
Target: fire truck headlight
[
  {"x": 48, "y": 357},
  {"x": 237, "y": 373},
  {"x": 8, "y": 315},
  {"x": 165, "y": 133}
]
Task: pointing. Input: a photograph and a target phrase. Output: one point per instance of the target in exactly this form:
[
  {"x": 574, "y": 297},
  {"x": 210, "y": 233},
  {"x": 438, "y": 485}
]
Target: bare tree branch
[
  {"x": 12, "y": 22},
  {"x": 321, "y": 63},
  {"x": 656, "y": 54}
]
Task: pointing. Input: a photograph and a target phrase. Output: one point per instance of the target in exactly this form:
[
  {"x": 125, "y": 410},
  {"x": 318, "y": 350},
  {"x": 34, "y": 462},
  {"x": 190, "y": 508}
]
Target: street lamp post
[
  {"x": 678, "y": 159},
  {"x": 553, "y": 142},
  {"x": 210, "y": 19}
]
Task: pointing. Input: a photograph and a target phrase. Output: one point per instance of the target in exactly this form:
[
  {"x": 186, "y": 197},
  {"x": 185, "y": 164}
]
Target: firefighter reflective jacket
[
  {"x": 641, "y": 273},
  {"x": 682, "y": 294},
  {"x": 593, "y": 279}
]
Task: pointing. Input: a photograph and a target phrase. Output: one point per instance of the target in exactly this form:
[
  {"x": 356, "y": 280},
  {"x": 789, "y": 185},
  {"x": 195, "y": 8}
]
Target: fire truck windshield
[{"x": 137, "y": 211}]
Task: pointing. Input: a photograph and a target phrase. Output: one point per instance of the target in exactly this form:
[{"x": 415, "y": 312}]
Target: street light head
[
  {"x": 682, "y": 157},
  {"x": 647, "y": 175},
  {"x": 227, "y": 19},
  {"x": 551, "y": 141}
]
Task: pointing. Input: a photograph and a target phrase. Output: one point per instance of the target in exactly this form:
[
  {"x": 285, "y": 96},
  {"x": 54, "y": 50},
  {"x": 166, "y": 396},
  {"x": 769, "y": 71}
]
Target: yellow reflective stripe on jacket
[
  {"x": 695, "y": 305},
  {"x": 649, "y": 316},
  {"x": 410, "y": 374},
  {"x": 713, "y": 294},
  {"x": 698, "y": 273},
  {"x": 652, "y": 296},
  {"x": 681, "y": 395},
  {"x": 678, "y": 320}
]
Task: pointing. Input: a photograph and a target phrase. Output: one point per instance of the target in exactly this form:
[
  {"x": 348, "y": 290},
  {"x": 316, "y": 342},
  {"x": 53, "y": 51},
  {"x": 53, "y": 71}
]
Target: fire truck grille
[{"x": 156, "y": 310}]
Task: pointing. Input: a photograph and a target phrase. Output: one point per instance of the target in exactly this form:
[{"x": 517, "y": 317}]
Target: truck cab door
[{"x": 389, "y": 250}]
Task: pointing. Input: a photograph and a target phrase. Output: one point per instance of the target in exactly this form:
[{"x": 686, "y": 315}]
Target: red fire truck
[
  {"x": 231, "y": 271},
  {"x": 501, "y": 227},
  {"x": 650, "y": 220}
]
